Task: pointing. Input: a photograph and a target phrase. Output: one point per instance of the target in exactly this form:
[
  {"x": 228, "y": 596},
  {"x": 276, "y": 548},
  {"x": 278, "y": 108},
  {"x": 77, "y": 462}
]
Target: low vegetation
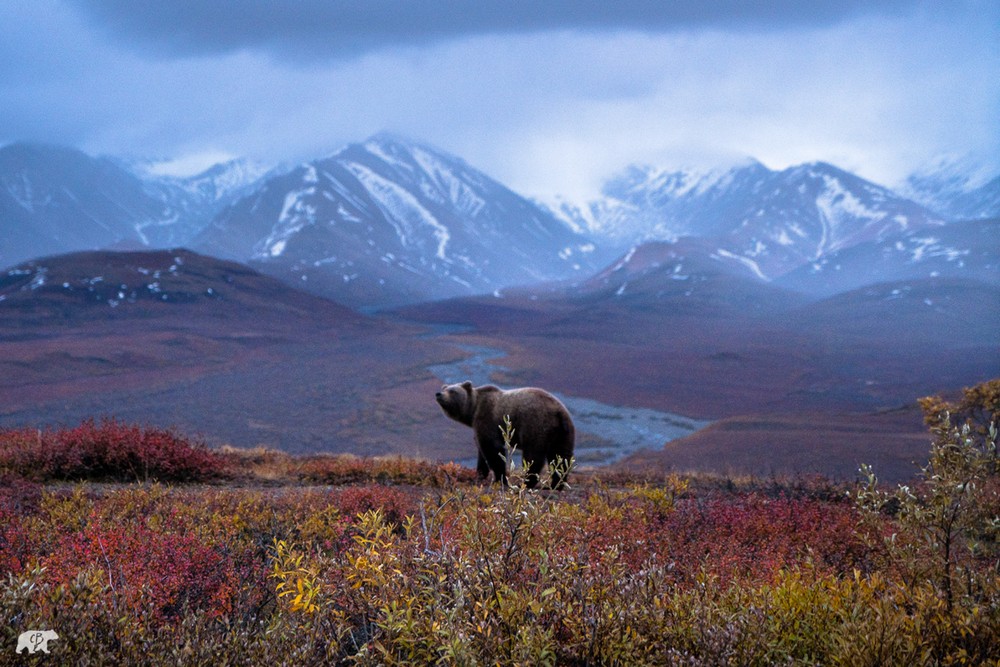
[
  {"x": 108, "y": 451},
  {"x": 334, "y": 560}
]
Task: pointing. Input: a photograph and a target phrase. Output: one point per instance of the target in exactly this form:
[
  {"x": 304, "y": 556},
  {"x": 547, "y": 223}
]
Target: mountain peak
[
  {"x": 817, "y": 169},
  {"x": 678, "y": 181},
  {"x": 395, "y": 148},
  {"x": 964, "y": 172},
  {"x": 391, "y": 221},
  {"x": 389, "y": 137},
  {"x": 392, "y": 142}
]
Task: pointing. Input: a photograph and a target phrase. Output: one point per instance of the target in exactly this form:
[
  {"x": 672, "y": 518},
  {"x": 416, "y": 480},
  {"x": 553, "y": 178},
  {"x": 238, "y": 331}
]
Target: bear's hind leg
[{"x": 560, "y": 472}]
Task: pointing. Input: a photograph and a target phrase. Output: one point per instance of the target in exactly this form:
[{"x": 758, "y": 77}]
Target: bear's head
[{"x": 458, "y": 401}]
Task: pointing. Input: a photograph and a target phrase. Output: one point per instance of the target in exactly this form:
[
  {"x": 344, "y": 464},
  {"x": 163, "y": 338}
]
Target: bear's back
[{"x": 531, "y": 409}]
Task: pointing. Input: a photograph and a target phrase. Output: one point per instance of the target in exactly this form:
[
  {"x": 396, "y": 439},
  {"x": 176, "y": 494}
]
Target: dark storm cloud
[{"x": 316, "y": 29}]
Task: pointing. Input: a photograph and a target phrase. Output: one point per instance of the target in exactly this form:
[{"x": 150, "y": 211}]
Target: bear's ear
[{"x": 467, "y": 386}]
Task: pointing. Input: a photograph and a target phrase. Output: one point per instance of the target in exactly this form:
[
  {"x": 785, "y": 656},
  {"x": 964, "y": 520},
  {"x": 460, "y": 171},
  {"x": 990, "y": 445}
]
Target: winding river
[{"x": 605, "y": 433}]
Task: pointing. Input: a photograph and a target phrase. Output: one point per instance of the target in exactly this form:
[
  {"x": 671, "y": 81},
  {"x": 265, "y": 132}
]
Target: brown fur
[{"x": 543, "y": 429}]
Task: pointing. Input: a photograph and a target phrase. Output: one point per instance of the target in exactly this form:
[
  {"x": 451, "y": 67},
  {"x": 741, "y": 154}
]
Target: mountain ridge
[
  {"x": 773, "y": 221},
  {"x": 389, "y": 220}
]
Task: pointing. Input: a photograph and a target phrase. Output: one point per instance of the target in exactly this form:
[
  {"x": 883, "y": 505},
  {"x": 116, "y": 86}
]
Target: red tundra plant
[
  {"x": 753, "y": 537},
  {"x": 349, "y": 469},
  {"x": 15, "y": 542},
  {"x": 394, "y": 503},
  {"x": 108, "y": 451},
  {"x": 18, "y": 499},
  {"x": 169, "y": 575}
]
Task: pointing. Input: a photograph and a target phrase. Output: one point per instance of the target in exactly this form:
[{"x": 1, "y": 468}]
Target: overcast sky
[{"x": 548, "y": 97}]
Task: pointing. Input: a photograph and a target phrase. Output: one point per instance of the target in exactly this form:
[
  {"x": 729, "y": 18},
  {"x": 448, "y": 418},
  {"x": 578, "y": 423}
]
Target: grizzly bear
[{"x": 543, "y": 429}]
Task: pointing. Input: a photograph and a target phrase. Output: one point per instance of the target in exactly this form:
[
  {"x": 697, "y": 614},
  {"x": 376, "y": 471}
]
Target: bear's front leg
[
  {"x": 499, "y": 466},
  {"x": 482, "y": 466},
  {"x": 489, "y": 454}
]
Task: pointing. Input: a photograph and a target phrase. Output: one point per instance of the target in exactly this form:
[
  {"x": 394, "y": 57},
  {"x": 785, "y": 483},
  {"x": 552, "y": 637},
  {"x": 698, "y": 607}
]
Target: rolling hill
[{"x": 173, "y": 338}]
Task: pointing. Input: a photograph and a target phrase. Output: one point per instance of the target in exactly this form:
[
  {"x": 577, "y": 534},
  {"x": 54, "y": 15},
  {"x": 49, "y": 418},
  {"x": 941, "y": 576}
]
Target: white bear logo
[{"x": 35, "y": 640}]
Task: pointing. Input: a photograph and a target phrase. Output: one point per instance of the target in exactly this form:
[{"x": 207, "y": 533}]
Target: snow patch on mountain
[
  {"x": 377, "y": 149},
  {"x": 745, "y": 261},
  {"x": 403, "y": 211},
  {"x": 296, "y": 213},
  {"x": 20, "y": 189},
  {"x": 456, "y": 191},
  {"x": 958, "y": 187}
]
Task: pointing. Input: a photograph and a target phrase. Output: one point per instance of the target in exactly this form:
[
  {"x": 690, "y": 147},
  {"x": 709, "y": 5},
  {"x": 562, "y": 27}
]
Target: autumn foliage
[
  {"x": 109, "y": 450},
  {"x": 674, "y": 571}
]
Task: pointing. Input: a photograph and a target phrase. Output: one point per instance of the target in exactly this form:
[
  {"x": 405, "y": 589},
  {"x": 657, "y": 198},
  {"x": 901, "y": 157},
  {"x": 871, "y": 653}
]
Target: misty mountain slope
[
  {"x": 686, "y": 276},
  {"x": 55, "y": 200},
  {"x": 773, "y": 221},
  {"x": 665, "y": 205},
  {"x": 962, "y": 250},
  {"x": 956, "y": 189},
  {"x": 389, "y": 221},
  {"x": 58, "y": 199},
  {"x": 195, "y": 200}
]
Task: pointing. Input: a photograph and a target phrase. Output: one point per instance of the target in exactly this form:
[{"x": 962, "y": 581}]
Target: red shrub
[
  {"x": 15, "y": 542},
  {"x": 17, "y": 499},
  {"x": 395, "y": 504},
  {"x": 348, "y": 469},
  {"x": 109, "y": 451},
  {"x": 170, "y": 574},
  {"x": 753, "y": 537}
]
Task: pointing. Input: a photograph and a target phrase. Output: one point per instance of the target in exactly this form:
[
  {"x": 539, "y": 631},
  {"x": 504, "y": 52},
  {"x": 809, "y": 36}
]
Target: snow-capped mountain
[
  {"x": 55, "y": 200},
  {"x": 195, "y": 200},
  {"x": 666, "y": 204},
  {"x": 390, "y": 221},
  {"x": 772, "y": 221},
  {"x": 225, "y": 181},
  {"x": 956, "y": 189}
]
